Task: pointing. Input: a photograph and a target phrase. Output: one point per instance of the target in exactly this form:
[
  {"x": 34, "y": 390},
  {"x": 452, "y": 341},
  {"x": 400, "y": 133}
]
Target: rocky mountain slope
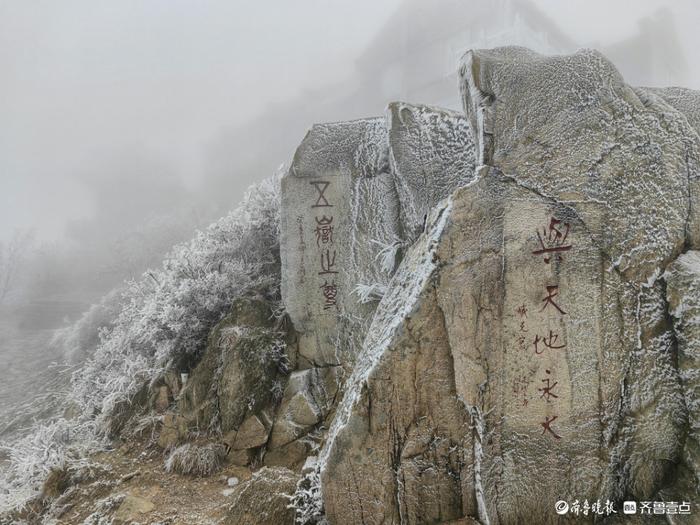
[{"x": 483, "y": 314}]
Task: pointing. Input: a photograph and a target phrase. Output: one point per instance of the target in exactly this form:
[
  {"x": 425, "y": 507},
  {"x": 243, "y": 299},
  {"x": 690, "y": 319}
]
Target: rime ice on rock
[
  {"x": 500, "y": 340},
  {"x": 539, "y": 285},
  {"x": 569, "y": 128},
  {"x": 399, "y": 449},
  {"x": 337, "y": 198},
  {"x": 431, "y": 154},
  {"x": 356, "y": 194},
  {"x": 687, "y": 102},
  {"x": 355, "y": 197},
  {"x": 624, "y": 161},
  {"x": 477, "y": 315},
  {"x": 308, "y": 398},
  {"x": 683, "y": 293}
]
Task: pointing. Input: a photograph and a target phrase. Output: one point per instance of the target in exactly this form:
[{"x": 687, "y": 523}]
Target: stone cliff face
[
  {"x": 486, "y": 313},
  {"x": 356, "y": 195},
  {"x": 533, "y": 333}
]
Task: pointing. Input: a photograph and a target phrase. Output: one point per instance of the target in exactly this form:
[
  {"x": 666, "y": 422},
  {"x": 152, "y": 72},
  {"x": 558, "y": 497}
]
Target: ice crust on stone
[
  {"x": 577, "y": 133},
  {"x": 565, "y": 137},
  {"x": 381, "y": 176}
]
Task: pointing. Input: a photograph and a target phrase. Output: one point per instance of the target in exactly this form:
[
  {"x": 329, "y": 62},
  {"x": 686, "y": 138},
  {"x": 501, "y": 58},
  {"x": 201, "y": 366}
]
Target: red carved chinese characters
[
  {"x": 520, "y": 387},
  {"x": 324, "y": 230},
  {"x": 547, "y": 425},
  {"x": 521, "y": 311},
  {"x": 546, "y": 342},
  {"x": 324, "y": 242},
  {"x": 552, "y": 240},
  {"x": 552, "y": 244},
  {"x": 552, "y": 292},
  {"x": 321, "y": 187},
  {"x": 327, "y": 262},
  {"x": 547, "y": 388},
  {"x": 330, "y": 292}
]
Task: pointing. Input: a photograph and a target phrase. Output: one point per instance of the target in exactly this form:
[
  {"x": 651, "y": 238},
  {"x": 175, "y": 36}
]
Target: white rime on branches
[
  {"x": 168, "y": 313},
  {"x": 368, "y": 293},
  {"x": 388, "y": 253},
  {"x": 159, "y": 319},
  {"x": 307, "y": 500}
]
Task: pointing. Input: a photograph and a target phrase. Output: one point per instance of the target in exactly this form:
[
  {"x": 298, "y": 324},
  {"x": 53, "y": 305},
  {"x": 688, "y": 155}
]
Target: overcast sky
[{"x": 82, "y": 82}]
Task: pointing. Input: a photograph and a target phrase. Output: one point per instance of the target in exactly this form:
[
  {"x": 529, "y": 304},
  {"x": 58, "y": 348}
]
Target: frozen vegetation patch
[
  {"x": 196, "y": 460},
  {"x": 135, "y": 334},
  {"x": 167, "y": 314},
  {"x": 307, "y": 500},
  {"x": 103, "y": 508},
  {"x": 79, "y": 340},
  {"x": 29, "y": 460}
]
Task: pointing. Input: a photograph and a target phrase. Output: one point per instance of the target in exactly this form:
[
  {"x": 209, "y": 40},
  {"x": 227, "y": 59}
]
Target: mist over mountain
[{"x": 130, "y": 252}]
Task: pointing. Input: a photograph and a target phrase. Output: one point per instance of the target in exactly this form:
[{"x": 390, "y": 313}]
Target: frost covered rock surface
[
  {"x": 243, "y": 365},
  {"x": 400, "y": 448},
  {"x": 431, "y": 154},
  {"x": 485, "y": 314},
  {"x": 683, "y": 293},
  {"x": 337, "y": 187},
  {"x": 356, "y": 195},
  {"x": 523, "y": 352},
  {"x": 569, "y": 128}
]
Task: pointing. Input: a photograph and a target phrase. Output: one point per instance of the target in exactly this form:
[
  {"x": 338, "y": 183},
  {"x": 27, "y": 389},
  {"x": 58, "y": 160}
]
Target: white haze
[
  {"x": 83, "y": 82},
  {"x": 86, "y": 84}
]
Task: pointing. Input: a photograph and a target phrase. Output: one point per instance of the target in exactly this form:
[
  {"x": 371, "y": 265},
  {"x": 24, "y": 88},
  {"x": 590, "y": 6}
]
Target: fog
[
  {"x": 84, "y": 83},
  {"x": 125, "y": 125}
]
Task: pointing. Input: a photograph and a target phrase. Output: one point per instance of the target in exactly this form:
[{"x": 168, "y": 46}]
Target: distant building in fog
[{"x": 415, "y": 56}]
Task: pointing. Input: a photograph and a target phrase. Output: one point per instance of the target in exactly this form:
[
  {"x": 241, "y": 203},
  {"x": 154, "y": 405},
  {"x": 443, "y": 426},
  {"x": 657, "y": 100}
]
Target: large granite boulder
[
  {"x": 524, "y": 352},
  {"x": 355, "y": 195},
  {"x": 569, "y": 128},
  {"x": 337, "y": 188},
  {"x": 488, "y": 373},
  {"x": 626, "y": 160},
  {"x": 400, "y": 448},
  {"x": 683, "y": 292},
  {"x": 308, "y": 398}
]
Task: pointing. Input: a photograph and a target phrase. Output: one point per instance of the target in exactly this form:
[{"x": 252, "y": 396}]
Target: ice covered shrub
[
  {"x": 153, "y": 323},
  {"x": 56, "y": 445},
  {"x": 307, "y": 499},
  {"x": 369, "y": 293},
  {"x": 77, "y": 341},
  {"x": 167, "y": 314},
  {"x": 196, "y": 460}
]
